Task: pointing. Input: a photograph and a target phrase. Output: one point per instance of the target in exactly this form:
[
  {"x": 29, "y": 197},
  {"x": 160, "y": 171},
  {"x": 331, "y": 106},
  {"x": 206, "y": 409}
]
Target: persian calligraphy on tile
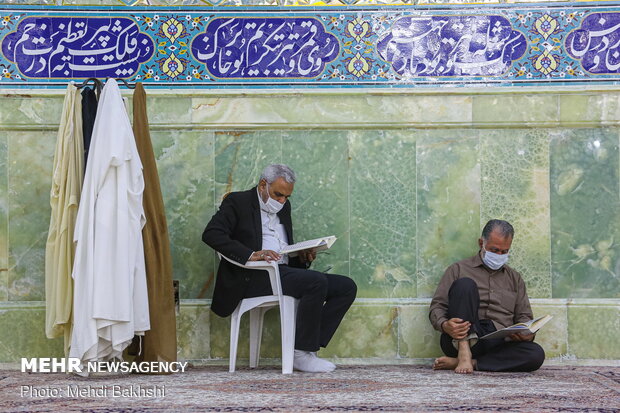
[
  {"x": 265, "y": 47},
  {"x": 597, "y": 43},
  {"x": 452, "y": 46},
  {"x": 74, "y": 47}
]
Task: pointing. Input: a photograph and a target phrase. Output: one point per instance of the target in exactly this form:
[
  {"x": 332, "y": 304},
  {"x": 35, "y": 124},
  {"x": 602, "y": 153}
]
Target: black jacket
[{"x": 235, "y": 231}]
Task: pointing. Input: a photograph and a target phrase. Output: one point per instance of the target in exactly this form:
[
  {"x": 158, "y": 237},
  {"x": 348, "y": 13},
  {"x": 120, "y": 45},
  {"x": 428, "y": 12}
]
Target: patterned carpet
[{"x": 399, "y": 388}]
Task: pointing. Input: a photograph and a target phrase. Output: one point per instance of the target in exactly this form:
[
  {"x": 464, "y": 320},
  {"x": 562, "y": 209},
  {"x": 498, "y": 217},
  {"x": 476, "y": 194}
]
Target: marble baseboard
[{"x": 392, "y": 330}]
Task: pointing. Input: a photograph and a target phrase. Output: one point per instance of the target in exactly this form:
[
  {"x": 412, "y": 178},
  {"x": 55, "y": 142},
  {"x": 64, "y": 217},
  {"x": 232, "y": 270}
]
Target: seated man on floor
[
  {"x": 253, "y": 225},
  {"x": 477, "y": 296}
]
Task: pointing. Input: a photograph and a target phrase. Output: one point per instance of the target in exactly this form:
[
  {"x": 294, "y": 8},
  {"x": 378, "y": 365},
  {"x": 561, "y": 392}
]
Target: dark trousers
[
  {"x": 323, "y": 301},
  {"x": 490, "y": 355}
]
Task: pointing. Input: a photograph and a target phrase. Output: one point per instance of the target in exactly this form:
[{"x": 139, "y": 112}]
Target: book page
[
  {"x": 529, "y": 327},
  {"x": 539, "y": 322},
  {"x": 303, "y": 245},
  {"x": 319, "y": 243}
]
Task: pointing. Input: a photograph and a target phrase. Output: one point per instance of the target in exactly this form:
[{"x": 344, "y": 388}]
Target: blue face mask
[{"x": 494, "y": 261}]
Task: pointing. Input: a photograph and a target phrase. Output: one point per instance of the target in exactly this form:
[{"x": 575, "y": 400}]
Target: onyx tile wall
[
  {"x": 405, "y": 180},
  {"x": 4, "y": 215},
  {"x": 448, "y": 202},
  {"x": 185, "y": 164},
  {"x": 515, "y": 187},
  {"x": 30, "y": 155},
  {"x": 382, "y": 197},
  {"x": 585, "y": 206}
]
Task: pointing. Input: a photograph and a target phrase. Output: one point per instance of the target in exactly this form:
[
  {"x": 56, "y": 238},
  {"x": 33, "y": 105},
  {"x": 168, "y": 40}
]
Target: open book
[
  {"x": 318, "y": 244},
  {"x": 528, "y": 327}
]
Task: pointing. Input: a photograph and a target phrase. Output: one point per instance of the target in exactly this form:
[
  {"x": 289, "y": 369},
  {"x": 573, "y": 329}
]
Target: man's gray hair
[
  {"x": 275, "y": 171},
  {"x": 504, "y": 228}
]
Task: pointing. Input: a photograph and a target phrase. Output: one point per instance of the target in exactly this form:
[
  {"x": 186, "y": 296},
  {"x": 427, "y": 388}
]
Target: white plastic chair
[{"x": 258, "y": 306}]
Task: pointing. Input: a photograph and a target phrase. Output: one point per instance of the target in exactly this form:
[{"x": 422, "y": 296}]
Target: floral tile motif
[
  {"x": 222, "y": 46},
  {"x": 547, "y": 56}
]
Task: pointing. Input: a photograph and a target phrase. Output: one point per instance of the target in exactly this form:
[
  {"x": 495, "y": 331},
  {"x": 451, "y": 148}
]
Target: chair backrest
[{"x": 271, "y": 268}]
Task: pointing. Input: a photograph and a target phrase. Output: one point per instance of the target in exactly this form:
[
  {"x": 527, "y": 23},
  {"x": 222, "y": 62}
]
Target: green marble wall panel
[
  {"x": 585, "y": 212},
  {"x": 4, "y": 217},
  {"x": 321, "y": 199},
  {"x": 185, "y": 165},
  {"x": 27, "y": 337},
  {"x": 322, "y": 111},
  {"x": 169, "y": 110},
  {"x": 594, "y": 331},
  {"x": 31, "y": 155},
  {"x": 560, "y": 187},
  {"x": 554, "y": 336},
  {"x": 448, "y": 202},
  {"x": 589, "y": 109},
  {"x": 220, "y": 337},
  {"x": 515, "y": 187},
  {"x": 584, "y": 331},
  {"x": 193, "y": 332},
  {"x": 515, "y": 109},
  {"x": 417, "y": 337},
  {"x": 383, "y": 208},
  {"x": 246, "y": 110},
  {"x": 34, "y": 110},
  {"x": 240, "y": 157},
  {"x": 367, "y": 330}
]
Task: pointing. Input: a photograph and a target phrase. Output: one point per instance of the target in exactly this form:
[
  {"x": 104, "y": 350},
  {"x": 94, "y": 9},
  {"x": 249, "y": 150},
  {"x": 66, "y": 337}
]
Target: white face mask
[
  {"x": 494, "y": 261},
  {"x": 271, "y": 206}
]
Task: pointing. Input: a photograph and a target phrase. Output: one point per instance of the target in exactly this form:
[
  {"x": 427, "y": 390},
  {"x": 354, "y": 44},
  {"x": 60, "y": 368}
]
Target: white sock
[
  {"x": 308, "y": 361},
  {"x": 326, "y": 362}
]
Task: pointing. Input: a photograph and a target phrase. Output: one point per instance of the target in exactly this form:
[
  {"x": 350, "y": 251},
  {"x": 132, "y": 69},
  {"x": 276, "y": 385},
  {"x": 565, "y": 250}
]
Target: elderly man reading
[
  {"x": 477, "y": 296},
  {"x": 253, "y": 225}
]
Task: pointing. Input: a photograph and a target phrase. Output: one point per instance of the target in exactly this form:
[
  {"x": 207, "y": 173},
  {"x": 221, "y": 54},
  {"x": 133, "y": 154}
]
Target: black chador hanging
[{"x": 89, "y": 111}]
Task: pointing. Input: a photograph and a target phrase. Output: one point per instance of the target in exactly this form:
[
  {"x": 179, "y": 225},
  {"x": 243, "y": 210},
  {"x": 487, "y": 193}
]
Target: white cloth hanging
[{"x": 110, "y": 297}]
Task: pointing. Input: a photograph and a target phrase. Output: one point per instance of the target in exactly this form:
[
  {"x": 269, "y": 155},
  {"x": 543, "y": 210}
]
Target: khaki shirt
[{"x": 503, "y": 298}]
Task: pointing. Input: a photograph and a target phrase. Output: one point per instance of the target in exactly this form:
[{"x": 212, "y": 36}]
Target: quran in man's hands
[
  {"x": 528, "y": 327},
  {"x": 319, "y": 244}
]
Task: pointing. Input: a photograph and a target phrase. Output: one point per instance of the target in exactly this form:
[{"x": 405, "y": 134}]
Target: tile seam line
[
  {"x": 8, "y": 217},
  {"x": 344, "y": 126},
  {"x": 55, "y": 89},
  {"x": 563, "y": 302}
]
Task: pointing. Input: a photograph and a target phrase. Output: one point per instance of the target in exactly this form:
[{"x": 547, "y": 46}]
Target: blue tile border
[{"x": 311, "y": 47}]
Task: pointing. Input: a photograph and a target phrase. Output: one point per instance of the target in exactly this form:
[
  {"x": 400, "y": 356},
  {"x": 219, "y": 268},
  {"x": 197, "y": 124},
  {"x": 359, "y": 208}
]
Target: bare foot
[
  {"x": 464, "y": 367},
  {"x": 465, "y": 364},
  {"x": 445, "y": 363}
]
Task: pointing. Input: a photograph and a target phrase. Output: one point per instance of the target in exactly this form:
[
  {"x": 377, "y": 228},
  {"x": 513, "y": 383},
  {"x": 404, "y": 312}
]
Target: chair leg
[
  {"x": 234, "y": 338},
  {"x": 288, "y": 315},
  {"x": 257, "y": 316}
]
